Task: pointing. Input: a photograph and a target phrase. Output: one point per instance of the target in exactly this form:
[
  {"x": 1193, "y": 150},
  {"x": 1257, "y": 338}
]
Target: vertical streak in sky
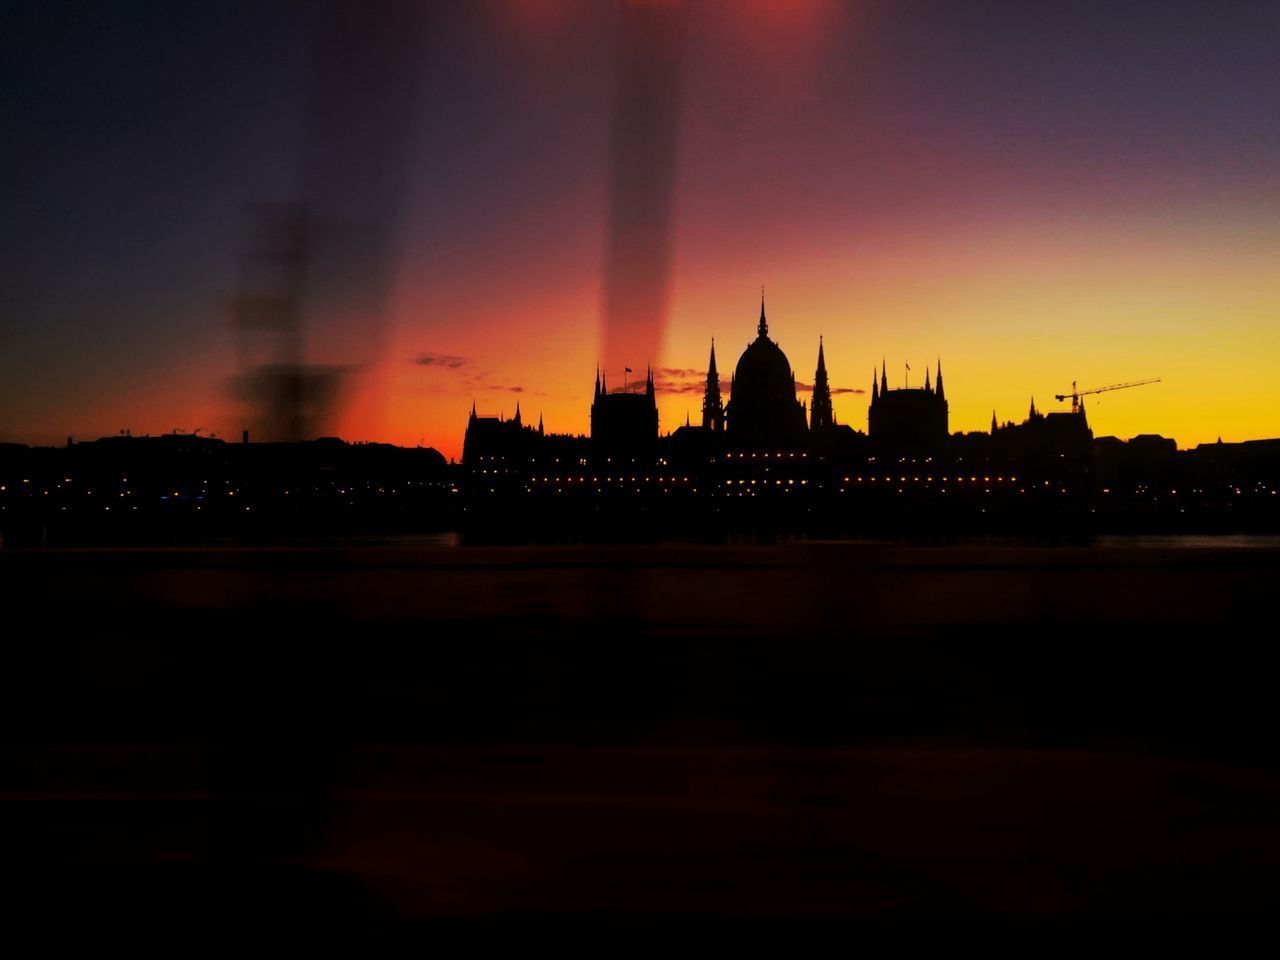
[
  {"x": 642, "y": 170},
  {"x": 360, "y": 115}
]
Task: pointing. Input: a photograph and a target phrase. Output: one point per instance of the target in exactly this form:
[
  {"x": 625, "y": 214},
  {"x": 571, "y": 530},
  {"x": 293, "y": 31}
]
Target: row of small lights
[
  {"x": 571, "y": 479},
  {"x": 931, "y": 479},
  {"x": 766, "y": 456}
]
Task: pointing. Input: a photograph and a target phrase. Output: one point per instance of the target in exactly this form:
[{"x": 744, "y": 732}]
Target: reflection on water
[
  {"x": 454, "y": 538},
  {"x": 1206, "y": 541}
]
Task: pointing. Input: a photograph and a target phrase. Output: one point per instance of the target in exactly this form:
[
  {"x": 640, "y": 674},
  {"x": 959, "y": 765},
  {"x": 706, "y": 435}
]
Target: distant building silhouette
[
  {"x": 910, "y": 417},
  {"x": 624, "y": 425}
]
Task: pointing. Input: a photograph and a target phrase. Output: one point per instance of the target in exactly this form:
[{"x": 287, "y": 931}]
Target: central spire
[{"x": 763, "y": 328}]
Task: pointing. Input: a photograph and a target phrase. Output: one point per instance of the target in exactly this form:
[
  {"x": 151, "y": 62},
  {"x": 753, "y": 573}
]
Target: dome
[
  {"x": 763, "y": 367},
  {"x": 763, "y": 409}
]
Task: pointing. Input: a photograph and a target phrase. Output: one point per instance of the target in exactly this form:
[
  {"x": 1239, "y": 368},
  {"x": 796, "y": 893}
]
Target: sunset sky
[{"x": 1035, "y": 192}]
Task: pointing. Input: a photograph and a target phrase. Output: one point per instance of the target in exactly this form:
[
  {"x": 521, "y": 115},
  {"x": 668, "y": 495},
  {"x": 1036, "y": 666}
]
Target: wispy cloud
[
  {"x": 439, "y": 360},
  {"x": 482, "y": 383},
  {"x": 808, "y": 388},
  {"x": 679, "y": 380},
  {"x": 466, "y": 378},
  {"x": 682, "y": 380}
]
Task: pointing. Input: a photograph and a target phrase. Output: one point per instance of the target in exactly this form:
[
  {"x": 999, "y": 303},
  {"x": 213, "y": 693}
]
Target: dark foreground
[{"x": 404, "y": 743}]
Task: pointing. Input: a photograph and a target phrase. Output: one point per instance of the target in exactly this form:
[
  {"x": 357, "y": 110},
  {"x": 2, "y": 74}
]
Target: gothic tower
[
  {"x": 821, "y": 413},
  {"x": 712, "y": 408}
]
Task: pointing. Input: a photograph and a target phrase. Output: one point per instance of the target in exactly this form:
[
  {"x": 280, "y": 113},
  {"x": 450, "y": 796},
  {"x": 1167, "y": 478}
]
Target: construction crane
[{"x": 1075, "y": 394}]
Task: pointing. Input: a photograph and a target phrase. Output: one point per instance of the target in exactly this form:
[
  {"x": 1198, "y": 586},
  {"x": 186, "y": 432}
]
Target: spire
[
  {"x": 875, "y": 386},
  {"x": 1032, "y": 414},
  {"x": 820, "y": 411},
  {"x": 938, "y": 388},
  {"x": 597, "y": 381},
  {"x": 993, "y": 421},
  {"x": 648, "y": 382},
  {"x": 884, "y": 378},
  {"x": 763, "y": 328},
  {"x": 686, "y": 419},
  {"x": 926, "y": 380},
  {"x": 473, "y": 408},
  {"x": 604, "y": 383},
  {"x": 540, "y": 432},
  {"x": 712, "y": 406},
  {"x": 517, "y": 420}
]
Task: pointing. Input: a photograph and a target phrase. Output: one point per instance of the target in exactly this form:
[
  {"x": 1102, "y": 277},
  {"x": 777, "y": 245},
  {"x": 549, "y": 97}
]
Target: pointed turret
[
  {"x": 926, "y": 380},
  {"x": 875, "y": 386},
  {"x": 938, "y": 388},
  {"x": 517, "y": 419},
  {"x": 597, "y": 381},
  {"x": 820, "y": 411},
  {"x": 540, "y": 431},
  {"x": 712, "y": 406},
  {"x": 884, "y": 378},
  {"x": 648, "y": 383}
]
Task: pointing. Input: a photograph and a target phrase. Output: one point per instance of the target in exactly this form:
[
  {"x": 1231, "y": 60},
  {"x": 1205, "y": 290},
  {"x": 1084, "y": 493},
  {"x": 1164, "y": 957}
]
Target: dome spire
[{"x": 763, "y": 328}]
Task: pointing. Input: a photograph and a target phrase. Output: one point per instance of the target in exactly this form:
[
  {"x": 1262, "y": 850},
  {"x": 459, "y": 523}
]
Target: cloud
[
  {"x": 439, "y": 360},
  {"x": 466, "y": 378},
  {"x": 679, "y": 380},
  {"x": 481, "y": 384},
  {"x": 808, "y": 388},
  {"x": 683, "y": 380},
  {"x": 669, "y": 387}
]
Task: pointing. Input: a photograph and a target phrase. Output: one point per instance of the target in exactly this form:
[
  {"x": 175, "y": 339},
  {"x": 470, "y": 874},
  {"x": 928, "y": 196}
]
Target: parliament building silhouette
[{"x": 763, "y": 440}]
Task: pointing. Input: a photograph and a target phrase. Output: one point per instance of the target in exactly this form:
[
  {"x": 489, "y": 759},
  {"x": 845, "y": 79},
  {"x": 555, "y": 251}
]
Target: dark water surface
[{"x": 411, "y": 735}]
